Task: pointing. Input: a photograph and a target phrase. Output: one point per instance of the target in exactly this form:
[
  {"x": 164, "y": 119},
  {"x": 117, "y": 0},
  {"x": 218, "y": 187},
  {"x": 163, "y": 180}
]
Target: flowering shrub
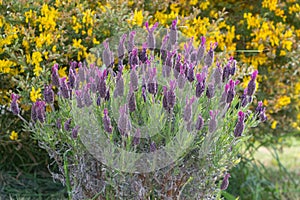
[
  {"x": 260, "y": 36},
  {"x": 168, "y": 123}
]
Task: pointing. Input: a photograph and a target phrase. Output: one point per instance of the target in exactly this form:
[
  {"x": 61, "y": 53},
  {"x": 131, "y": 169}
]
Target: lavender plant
[{"x": 172, "y": 127}]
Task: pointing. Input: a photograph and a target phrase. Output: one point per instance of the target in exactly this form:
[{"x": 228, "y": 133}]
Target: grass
[{"x": 270, "y": 174}]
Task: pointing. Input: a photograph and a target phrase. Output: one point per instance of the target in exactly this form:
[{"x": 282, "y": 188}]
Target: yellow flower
[
  {"x": 35, "y": 94},
  {"x": 282, "y": 101},
  {"x": 137, "y": 18},
  {"x": 36, "y": 59},
  {"x": 203, "y": 5},
  {"x": 274, "y": 124},
  {"x": 13, "y": 135},
  {"x": 62, "y": 72}
]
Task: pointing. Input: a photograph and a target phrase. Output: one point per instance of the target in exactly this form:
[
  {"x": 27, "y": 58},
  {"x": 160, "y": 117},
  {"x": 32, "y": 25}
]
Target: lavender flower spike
[
  {"x": 225, "y": 182},
  {"x": 201, "y": 50},
  {"x": 212, "y": 127},
  {"x": 54, "y": 75},
  {"x": 136, "y": 138},
  {"x": 119, "y": 90},
  {"x": 75, "y": 131},
  {"x": 107, "y": 55},
  {"x": 173, "y": 33},
  {"x": 48, "y": 94},
  {"x": 187, "y": 115},
  {"x": 121, "y": 48},
  {"x": 67, "y": 124},
  {"x": 134, "y": 79},
  {"x": 181, "y": 78},
  {"x": 209, "y": 59},
  {"x": 64, "y": 88},
  {"x": 171, "y": 94},
  {"x": 252, "y": 85},
  {"x": 151, "y": 38},
  {"x": 106, "y": 121},
  {"x": 14, "y": 104},
  {"x": 199, "y": 123},
  {"x": 40, "y": 108},
  {"x": 131, "y": 100},
  {"x": 123, "y": 121},
  {"x": 152, "y": 147},
  {"x": 130, "y": 44},
  {"x": 200, "y": 85},
  {"x": 239, "y": 128}
]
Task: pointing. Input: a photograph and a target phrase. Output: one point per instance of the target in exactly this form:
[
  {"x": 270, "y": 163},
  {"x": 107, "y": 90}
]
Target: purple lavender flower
[
  {"x": 136, "y": 138},
  {"x": 102, "y": 83},
  {"x": 107, "y": 55},
  {"x": 217, "y": 74},
  {"x": 224, "y": 94},
  {"x": 243, "y": 98},
  {"x": 189, "y": 126},
  {"x": 233, "y": 68},
  {"x": 64, "y": 88},
  {"x": 79, "y": 98},
  {"x": 133, "y": 57},
  {"x": 58, "y": 124},
  {"x": 209, "y": 58},
  {"x": 54, "y": 75},
  {"x": 200, "y": 87},
  {"x": 86, "y": 96},
  {"x": 188, "y": 48},
  {"x": 165, "y": 98},
  {"x": 143, "y": 56},
  {"x": 152, "y": 146},
  {"x": 106, "y": 121},
  {"x": 75, "y": 131},
  {"x": 177, "y": 67},
  {"x": 252, "y": 85},
  {"x": 130, "y": 44},
  {"x": 210, "y": 91},
  {"x": 40, "y": 108},
  {"x": 93, "y": 85},
  {"x": 187, "y": 115},
  {"x": 225, "y": 182},
  {"x": 199, "y": 123},
  {"x": 144, "y": 94},
  {"x": 190, "y": 73},
  {"x": 134, "y": 79},
  {"x": 263, "y": 116},
  {"x": 239, "y": 128},
  {"x": 171, "y": 94},
  {"x": 181, "y": 78},
  {"x": 123, "y": 121},
  {"x": 121, "y": 47},
  {"x": 163, "y": 48},
  {"x": 152, "y": 84},
  {"x": 201, "y": 49},
  {"x": 72, "y": 78},
  {"x": 226, "y": 72},
  {"x": 231, "y": 92},
  {"x": 67, "y": 124},
  {"x": 168, "y": 64},
  {"x": 193, "y": 57},
  {"x": 150, "y": 37},
  {"x": 173, "y": 33},
  {"x": 119, "y": 91},
  {"x": 81, "y": 73},
  {"x": 14, "y": 107},
  {"x": 131, "y": 100},
  {"x": 107, "y": 95},
  {"x": 212, "y": 126},
  {"x": 260, "y": 111},
  {"x": 33, "y": 112},
  {"x": 48, "y": 94},
  {"x": 98, "y": 102}
]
